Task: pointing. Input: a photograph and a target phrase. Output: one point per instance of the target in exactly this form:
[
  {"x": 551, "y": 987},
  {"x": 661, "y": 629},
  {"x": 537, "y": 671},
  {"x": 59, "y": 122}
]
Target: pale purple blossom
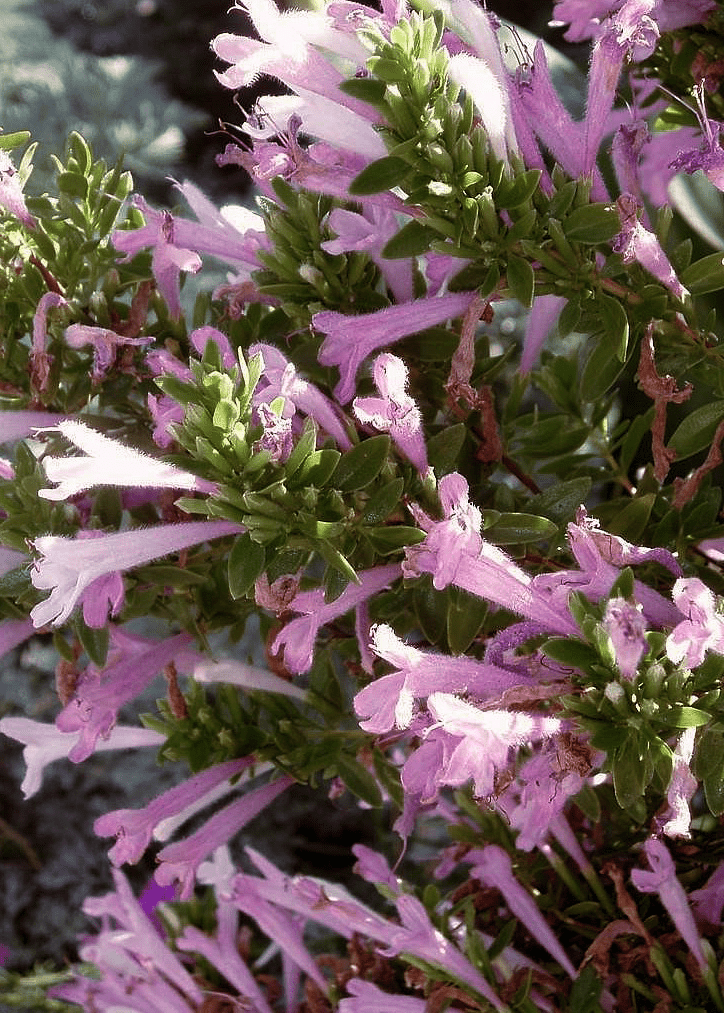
[
  {"x": 134, "y": 828},
  {"x": 17, "y": 425},
  {"x": 367, "y": 997},
  {"x": 108, "y": 462},
  {"x": 701, "y": 630},
  {"x": 542, "y": 318},
  {"x": 662, "y": 879},
  {"x": 104, "y": 343},
  {"x": 536, "y": 800},
  {"x": 299, "y": 635},
  {"x": 628, "y": 34},
  {"x": 394, "y": 412},
  {"x": 351, "y": 339},
  {"x": 675, "y": 821},
  {"x": 180, "y": 860},
  {"x": 11, "y": 191},
  {"x": 132, "y": 663},
  {"x": 40, "y": 359},
  {"x": 388, "y": 702},
  {"x": 708, "y": 901},
  {"x": 248, "y": 677},
  {"x": 280, "y": 378},
  {"x": 626, "y": 627},
  {"x": 455, "y": 553},
  {"x": 710, "y": 155},
  {"x": 368, "y": 232},
  {"x": 44, "y": 744},
  {"x": 200, "y": 337},
  {"x": 636, "y": 243},
  {"x": 67, "y": 567},
  {"x": 493, "y": 867}
]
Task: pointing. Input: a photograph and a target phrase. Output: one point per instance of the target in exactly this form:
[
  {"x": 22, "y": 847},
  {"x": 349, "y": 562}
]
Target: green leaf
[
  {"x": 560, "y": 502},
  {"x": 387, "y": 540},
  {"x": 696, "y": 432},
  {"x": 430, "y": 606},
  {"x": 359, "y": 781},
  {"x": 519, "y": 190},
  {"x": 705, "y": 275},
  {"x": 378, "y": 176},
  {"x": 586, "y": 991},
  {"x": 517, "y": 528},
  {"x": 443, "y": 449},
  {"x": 14, "y": 140},
  {"x": 366, "y": 89},
  {"x": 592, "y": 223},
  {"x": 335, "y": 558},
  {"x": 93, "y": 642},
  {"x": 684, "y": 717},
  {"x": 629, "y": 772},
  {"x": 570, "y": 652},
  {"x": 615, "y": 325},
  {"x": 411, "y": 241},
  {"x": 521, "y": 280},
  {"x": 601, "y": 369},
  {"x": 317, "y": 469},
  {"x": 465, "y": 615},
  {"x": 383, "y": 502},
  {"x": 246, "y": 564},
  {"x": 362, "y": 464},
  {"x": 73, "y": 184}
]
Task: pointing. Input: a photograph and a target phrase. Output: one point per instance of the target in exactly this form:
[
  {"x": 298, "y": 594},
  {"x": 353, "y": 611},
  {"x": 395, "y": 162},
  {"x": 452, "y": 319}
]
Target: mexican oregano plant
[{"x": 486, "y": 572}]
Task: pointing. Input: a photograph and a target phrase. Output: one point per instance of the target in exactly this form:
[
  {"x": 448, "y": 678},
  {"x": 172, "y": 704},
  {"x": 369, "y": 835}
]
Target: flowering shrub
[{"x": 486, "y": 573}]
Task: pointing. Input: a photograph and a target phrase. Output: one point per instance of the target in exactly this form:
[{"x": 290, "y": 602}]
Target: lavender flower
[
  {"x": 68, "y": 567},
  {"x": 133, "y": 828},
  {"x": 298, "y": 636},
  {"x": 394, "y": 412},
  {"x": 133, "y": 663},
  {"x": 45, "y": 743},
  {"x": 11, "y": 191},
  {"x": 492, "y": 866},
  {"x": 108, "y": 462},
  {"x": 180, "y": 860},
  {"x": 662, "y": 880},
  {"x": 636, "y": 243},
  {"x": 703, "y": 628},
  {"x": 351, "y": 339},
  {"x": 625, "y": 626},
  {"x": 104, "y": 343}
]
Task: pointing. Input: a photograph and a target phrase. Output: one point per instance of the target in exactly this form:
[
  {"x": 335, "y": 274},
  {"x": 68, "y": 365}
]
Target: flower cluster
[{"x": 484, "y": 567}]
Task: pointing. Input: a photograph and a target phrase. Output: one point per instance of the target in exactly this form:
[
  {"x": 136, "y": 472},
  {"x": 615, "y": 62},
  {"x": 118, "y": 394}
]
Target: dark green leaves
[
  {"x": 361, "y": 465},
  {"x": 706, "y": 275},
  {"x": 245, "y": 565},
  {"x": 697, "y": 429},
  {"x": 381, "y": 175},
  {"x": 592, "y": 224}
]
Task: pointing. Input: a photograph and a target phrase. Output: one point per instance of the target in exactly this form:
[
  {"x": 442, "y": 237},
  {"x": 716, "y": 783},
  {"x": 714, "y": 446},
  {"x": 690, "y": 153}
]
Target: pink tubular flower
[
  {"x": 708, "y": 900},
  {"x": 454, "y": 553},
  {"x": 298, "y": 636},
  {"x": 388, "y": 702},
  {"x": 108, "y": 462},
  {"x": 629, "y": 33},
  {"x": 280, "y": 379},
  {"x": 45, "y": 743},
  {"x": 104, "y": 344},
  {"x": 133, "y": 828},
  {"x": 493, "y": 868},
  {"x": 351, "y": 339},
  {"x": 180, "y": 860},
  {"x": 369, "y": 998},
  {"x": 625, "y": 626},
  {"x": 636, "y": 243},
  {"x": 39, "y": 358},
  {"x": 132, "y": 664},
  {"x": 477, "y": 743},
  {"x": 11, "y": 191},
  {"x": 68, "y": 566},
  {"x": 135, "y": 950},
  {"x": 676, "y": 820},
  {"x": 534, "y": 803},
  {"x": 703, "y": 628},
  {"x": 394, "y": 412},
  {"x": 710, "y": 155},
  {"x": 368, "y": 231},
  {"x": 662, "y": 879},
  {"x": 543, "y": 317},
  {"x": 16, "y": 425}
]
